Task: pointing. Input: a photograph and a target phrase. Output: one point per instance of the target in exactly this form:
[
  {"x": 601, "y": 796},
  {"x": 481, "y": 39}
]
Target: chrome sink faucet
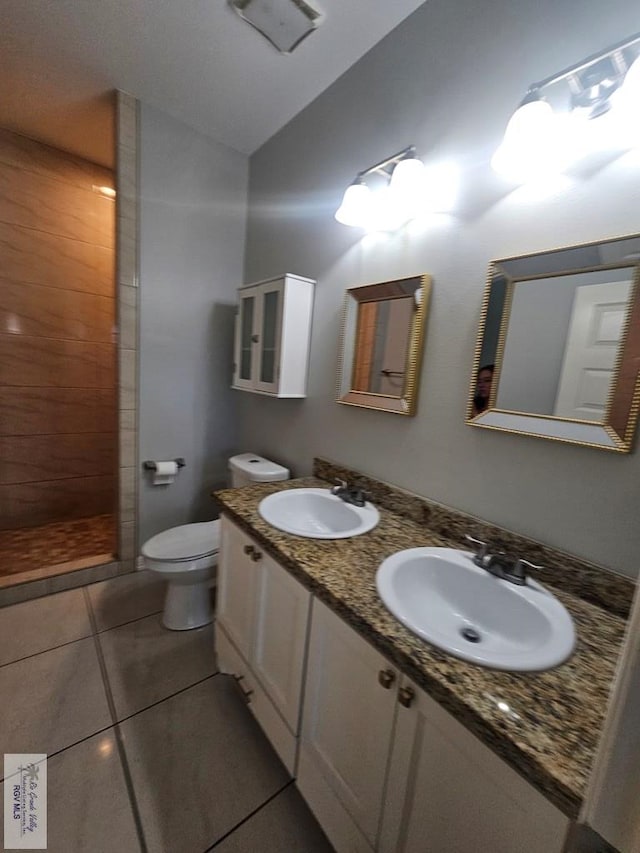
[
  {"x": 512, "y": 569},
  {"x": 349, "y": 494}
]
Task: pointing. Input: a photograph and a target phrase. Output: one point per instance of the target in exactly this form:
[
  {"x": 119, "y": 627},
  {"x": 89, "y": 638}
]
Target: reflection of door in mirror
[
  {"x": 562, "y": 344},
  {"x": 382, "y": 344},
  {"x": 595, "y": 331}
]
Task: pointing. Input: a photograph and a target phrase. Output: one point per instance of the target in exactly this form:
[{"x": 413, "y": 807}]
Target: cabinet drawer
[{"x": 282, "y": 740}]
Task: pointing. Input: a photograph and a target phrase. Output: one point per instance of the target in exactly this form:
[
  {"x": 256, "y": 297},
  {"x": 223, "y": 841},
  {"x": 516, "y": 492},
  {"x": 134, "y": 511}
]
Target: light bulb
[
  {"x": 536, "y": 144},
  {"x": 407, "y": 188},
  {"x": 626, "y": 107},
  {"x": 355, "y": 207}
]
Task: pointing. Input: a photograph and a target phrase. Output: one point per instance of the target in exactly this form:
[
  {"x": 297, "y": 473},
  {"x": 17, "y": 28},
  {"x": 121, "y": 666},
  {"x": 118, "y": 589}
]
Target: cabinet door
[
  {"x": 448, "y": 792},
  {"x": 281, "y": 638},
  {"x": 237, "y": 587},
  {"x": 245, "y": 340},
  {"x": 268, "y": 335},
  {"x": 347, "y": 720}
]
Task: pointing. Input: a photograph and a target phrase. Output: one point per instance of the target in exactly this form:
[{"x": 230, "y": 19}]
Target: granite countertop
[{"x": 545, "y": 725}]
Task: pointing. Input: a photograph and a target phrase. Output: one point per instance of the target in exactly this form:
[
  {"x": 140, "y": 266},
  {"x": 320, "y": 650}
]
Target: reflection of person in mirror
[{"x": 483, "y": 389}]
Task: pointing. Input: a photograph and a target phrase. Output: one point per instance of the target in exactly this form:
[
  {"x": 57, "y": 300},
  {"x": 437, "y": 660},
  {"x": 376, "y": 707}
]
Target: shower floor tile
[{"x": 59, "y": 542}]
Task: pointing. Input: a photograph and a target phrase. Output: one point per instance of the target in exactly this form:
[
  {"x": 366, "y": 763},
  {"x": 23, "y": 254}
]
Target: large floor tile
[
  {"x": 285, "y": 825},
  {"x": 200, "y": 764},
  {"x": 41, "y": 624},
  {"x": 52, "y": 700},
  {"x": 88, "y": 805},
  {"x": 125, "y": 598},
  {"x": 145, "y": 662}
]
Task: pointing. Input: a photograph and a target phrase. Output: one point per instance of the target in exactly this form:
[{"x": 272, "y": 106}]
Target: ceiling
[{"x": 194, "y": 59}]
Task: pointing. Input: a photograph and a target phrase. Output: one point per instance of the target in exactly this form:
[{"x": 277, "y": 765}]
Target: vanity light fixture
[
  {"x": 592, "y": 105},
  {"x": 400, "y": 188},
  {"x": 285, "y": 23}
]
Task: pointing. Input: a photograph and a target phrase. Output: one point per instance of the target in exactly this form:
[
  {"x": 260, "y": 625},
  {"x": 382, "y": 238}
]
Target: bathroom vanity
[{"x": 393, "y": 742}]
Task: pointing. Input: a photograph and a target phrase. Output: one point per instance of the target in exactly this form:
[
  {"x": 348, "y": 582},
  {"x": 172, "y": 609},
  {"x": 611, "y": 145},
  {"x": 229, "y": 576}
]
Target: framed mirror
[
  {"x": 558, "y": 351},
  {"x": 381, "y": 344}
]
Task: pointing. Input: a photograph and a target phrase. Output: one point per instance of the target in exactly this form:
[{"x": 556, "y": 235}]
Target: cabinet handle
[
  {"x": 406, "y": 695},
  {"x": 386, "y": 677},
  {"x": 248, "y": 549},
  {"x": 246, "y": 694},
  {"x": 255, "y": 556},
  {"x": 255, "y": 338}
]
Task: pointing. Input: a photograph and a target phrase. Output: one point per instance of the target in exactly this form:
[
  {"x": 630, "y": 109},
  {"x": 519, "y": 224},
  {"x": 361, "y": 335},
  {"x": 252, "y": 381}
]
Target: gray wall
[
  {"x": 192, "y": 229},
  {"x": 446, "y": 80}
]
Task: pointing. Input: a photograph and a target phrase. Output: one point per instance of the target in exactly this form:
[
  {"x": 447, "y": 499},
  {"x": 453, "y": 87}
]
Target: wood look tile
[
  {"x": 33, "y": 458},
  {"x": 44, "y": 204},
  {"x": 45, "y": 362},
  {"x": 33, "y": 411},
  {"x": 33, "y": 309},
  {"x": 56, "y": 261},
  {"x": 31, "y": 504},
  {"x": 25, "y": 153}
]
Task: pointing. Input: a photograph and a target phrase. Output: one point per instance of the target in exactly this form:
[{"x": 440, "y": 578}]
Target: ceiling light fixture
[
  {"x": 563, "y": 117},
  {"x": 285, "y": 23},
  {"x": 400, "y": 188}
]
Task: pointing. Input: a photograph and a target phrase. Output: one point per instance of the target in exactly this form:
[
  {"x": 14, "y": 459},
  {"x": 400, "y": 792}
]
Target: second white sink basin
[
  {"x": 317, "y": 514},
  {"x": 443, "y": 597}
]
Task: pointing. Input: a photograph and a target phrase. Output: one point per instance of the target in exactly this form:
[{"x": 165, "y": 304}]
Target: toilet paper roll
[{"x": 165, "y": 473}]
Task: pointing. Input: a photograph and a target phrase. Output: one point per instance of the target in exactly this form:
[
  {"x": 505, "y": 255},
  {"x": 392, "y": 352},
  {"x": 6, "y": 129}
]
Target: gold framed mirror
[
  {"x": 558, "y": 351},
  {"x": 381, "y": 344}
]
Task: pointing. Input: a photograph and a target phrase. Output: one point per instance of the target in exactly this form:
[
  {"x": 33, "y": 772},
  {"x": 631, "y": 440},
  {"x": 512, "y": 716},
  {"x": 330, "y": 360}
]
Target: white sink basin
[
  {"x": 443, "y": 597},
  {"x": 317, "y": 514}
]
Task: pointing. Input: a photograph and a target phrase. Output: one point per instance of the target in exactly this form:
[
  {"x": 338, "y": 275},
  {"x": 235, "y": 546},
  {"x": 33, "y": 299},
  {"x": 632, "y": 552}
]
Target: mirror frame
[
  {"x": 604, "y": 436},
  {"x": 405, "y": 404}
]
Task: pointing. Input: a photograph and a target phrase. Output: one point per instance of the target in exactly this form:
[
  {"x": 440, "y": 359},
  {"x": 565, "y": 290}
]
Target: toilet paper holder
[{"x": 150, "y": 465}]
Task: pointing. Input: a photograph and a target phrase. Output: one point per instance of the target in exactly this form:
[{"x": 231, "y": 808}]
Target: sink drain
[{"x": 471, "y": 635}]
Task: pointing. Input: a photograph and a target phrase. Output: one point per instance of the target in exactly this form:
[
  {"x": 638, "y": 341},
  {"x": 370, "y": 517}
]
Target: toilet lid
[{"x": 187, "y": 542}]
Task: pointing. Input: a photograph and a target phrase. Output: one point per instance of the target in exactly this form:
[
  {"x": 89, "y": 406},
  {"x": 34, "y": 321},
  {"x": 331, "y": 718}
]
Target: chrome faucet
[
  {"x": 512, "y": 569},
  {"x": 349, "y": 494}
]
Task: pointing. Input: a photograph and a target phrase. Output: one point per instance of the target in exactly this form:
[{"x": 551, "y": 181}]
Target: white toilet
[{"x": 187, "y": 555}]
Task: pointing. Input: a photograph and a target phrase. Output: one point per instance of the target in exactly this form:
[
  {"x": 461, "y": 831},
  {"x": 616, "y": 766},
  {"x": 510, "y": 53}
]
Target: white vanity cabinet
[
  {"x": 349, "y": 710},
  {"x": 272, "y": 336},
  {"x": 261, "y": 635},
  {"x": 446, "y": 791},
  {"x": 385, "y": 768}
]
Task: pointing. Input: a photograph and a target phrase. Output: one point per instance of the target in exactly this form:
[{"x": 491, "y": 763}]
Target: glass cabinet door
[
  {"x": 245, "y": 350},
  {"x": 268, "y": 337},
  {"x": 269, "y": 323}
]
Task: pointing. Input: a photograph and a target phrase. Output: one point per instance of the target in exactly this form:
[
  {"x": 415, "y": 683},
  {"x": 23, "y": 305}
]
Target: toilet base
[{"x": 187, "y": 606}]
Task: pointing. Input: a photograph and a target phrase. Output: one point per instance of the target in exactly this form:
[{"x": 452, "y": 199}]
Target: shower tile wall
[{"x": 58, "y": 415}]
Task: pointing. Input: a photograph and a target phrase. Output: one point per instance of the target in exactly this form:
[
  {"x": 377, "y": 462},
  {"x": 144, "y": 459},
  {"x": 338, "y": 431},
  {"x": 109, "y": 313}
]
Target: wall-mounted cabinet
[{"x": 272, "y": 336}]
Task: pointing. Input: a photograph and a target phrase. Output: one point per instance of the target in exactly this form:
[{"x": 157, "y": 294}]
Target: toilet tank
[{"x": 248, "y": 468}]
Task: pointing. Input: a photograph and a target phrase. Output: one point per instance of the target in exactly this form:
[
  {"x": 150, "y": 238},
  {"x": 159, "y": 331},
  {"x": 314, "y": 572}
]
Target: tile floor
[
  {"x": 149, "y": 749},
  {"x": 58, "y": 542}
]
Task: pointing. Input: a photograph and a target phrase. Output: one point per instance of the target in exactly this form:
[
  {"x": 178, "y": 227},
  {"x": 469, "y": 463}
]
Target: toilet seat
[{"x": 185, "y": 543}]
